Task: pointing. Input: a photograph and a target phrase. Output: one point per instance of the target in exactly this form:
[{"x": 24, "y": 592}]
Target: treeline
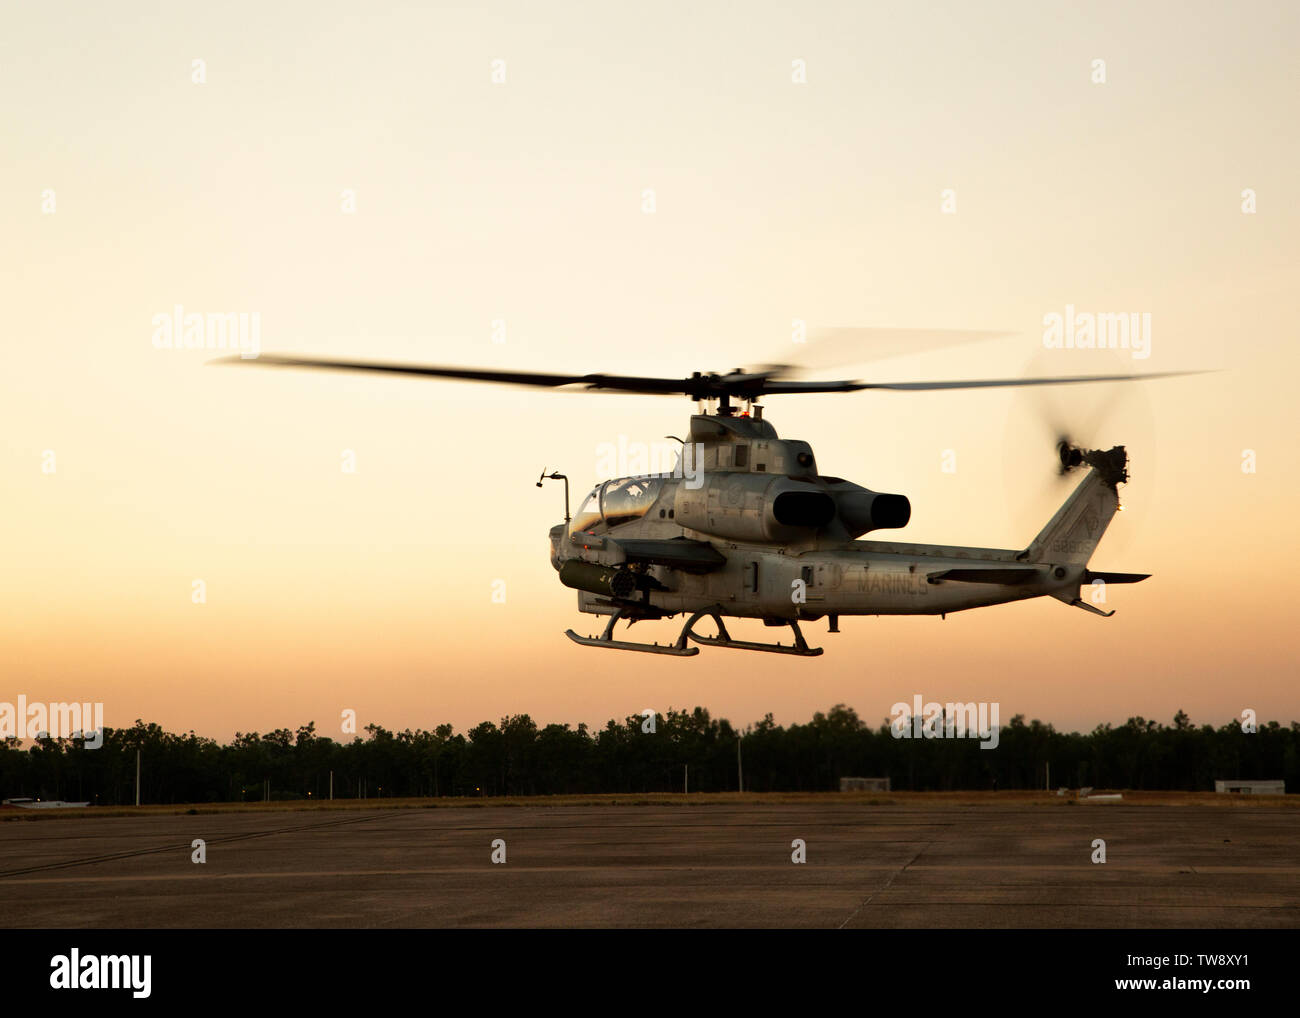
[{"x": 515, "y": 757}]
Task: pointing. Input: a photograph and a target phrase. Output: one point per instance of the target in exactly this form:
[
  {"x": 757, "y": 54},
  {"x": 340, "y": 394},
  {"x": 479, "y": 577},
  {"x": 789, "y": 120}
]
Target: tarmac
[{"x": 688, "y": 866}]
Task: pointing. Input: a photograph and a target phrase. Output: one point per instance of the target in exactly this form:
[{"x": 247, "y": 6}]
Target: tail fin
[{"x": 1074, "y": 532}]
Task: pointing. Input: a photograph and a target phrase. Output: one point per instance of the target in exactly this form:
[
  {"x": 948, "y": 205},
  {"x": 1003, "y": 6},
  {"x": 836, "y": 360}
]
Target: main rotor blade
[
  {"x": 699, "y": 386},
  {"x": 1008, "y": 382},
  {"x": 534, "y": 378}
]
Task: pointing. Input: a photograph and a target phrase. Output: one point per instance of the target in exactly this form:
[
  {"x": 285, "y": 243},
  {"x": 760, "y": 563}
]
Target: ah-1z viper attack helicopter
[{"x": 757, "y": 531}]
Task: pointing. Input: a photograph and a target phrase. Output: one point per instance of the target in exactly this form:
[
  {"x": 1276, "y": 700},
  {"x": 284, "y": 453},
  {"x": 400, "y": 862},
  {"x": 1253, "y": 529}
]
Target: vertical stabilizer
[{"x": 1074, "y": 532}]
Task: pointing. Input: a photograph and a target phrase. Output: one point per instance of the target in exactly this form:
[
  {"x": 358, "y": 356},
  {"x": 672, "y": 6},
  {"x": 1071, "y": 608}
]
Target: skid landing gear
[
  {"x": 723, "y": 639},
  {"x": 680, "y": 649}
]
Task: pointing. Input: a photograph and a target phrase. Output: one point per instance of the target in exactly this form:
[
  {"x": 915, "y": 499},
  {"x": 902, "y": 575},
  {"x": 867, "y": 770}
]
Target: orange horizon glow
[{"x": 521, "y": 203}]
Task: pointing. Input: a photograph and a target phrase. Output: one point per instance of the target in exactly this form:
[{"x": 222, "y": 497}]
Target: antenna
[{"x": 557, "y": 476}]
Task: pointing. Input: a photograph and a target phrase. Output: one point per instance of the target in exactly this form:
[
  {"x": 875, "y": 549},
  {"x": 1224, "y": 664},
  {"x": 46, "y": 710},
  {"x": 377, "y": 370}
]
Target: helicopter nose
[{"x": 556, "y": 533}]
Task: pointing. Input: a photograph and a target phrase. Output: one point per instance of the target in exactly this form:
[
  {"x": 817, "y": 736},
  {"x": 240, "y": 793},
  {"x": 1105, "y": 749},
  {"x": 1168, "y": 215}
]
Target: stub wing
[{"x": 676, "y": 553}]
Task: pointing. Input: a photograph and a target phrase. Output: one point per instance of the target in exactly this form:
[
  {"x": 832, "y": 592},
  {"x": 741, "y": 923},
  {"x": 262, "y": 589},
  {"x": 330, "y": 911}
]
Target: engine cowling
[
  {"x": 862, "y": 510},
  {"x": 752, "y": 507}
]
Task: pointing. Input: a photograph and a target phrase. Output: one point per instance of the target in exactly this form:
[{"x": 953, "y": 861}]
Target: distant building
[
  {"x": 864, "y": 784},
  {"x": 1251, "y": 787}
]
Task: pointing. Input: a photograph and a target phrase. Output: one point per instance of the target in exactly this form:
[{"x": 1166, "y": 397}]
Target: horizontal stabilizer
[
  {"x": 676, "y": 553},
  {"x": 1095, "y": 577},
  {"x": 1007, "y": 577}
]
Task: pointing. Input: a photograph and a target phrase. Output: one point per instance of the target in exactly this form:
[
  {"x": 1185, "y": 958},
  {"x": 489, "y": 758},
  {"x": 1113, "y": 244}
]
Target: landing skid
[
  {"x": 723, "y": 639},
  {"x": 680, "y": 649}
]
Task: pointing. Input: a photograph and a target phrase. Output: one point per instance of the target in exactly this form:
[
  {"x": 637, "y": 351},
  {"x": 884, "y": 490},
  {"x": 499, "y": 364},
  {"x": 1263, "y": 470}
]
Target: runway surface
[{"x": 661, "y": 866}]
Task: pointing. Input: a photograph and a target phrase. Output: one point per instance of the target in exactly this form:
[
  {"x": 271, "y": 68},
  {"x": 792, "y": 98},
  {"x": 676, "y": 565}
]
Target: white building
[{"x": 1251, "y": 787}]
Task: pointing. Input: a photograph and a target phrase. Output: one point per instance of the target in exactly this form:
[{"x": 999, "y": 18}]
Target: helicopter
[{"x": 748, "y": 527}]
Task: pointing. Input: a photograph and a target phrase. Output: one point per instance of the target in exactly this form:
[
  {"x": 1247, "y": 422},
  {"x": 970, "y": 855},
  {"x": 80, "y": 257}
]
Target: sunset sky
[{"x": 130, "y": 188}]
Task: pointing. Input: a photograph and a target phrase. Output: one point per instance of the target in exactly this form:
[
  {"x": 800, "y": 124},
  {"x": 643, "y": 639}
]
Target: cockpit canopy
[{"x": 614, "y": 502}]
